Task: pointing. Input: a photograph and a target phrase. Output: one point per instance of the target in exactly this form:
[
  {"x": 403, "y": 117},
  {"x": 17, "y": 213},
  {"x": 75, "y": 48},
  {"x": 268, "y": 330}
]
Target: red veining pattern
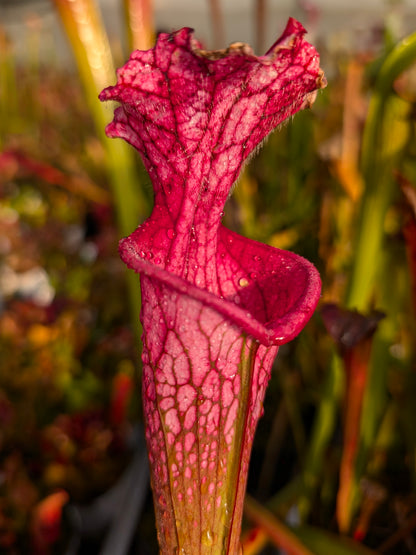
[
  {"x": 215, "y": 305},
  {"x": 199, "y": 376}
]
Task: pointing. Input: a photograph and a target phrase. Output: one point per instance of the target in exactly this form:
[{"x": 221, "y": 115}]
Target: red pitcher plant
[{"x": 215, "y": 305}]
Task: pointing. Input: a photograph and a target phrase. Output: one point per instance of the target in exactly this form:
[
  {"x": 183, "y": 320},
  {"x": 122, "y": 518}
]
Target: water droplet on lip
[
  {"x": 243, "y": 282},
  {"x": 170, "y": 233}
]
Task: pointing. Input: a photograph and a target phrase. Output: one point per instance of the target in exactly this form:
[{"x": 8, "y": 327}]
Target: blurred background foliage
[{"x": 334, "y": 462}]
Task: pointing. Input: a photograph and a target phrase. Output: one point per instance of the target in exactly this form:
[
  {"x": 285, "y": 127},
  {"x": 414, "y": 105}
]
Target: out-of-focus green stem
[
  {"x": 389, "y": 132},
  {"x": 386, "y": 437},
  {"x": 299, "y": 140},
  {"x": 8, "y": 86},
  {"x": 90, "y": 46},
  {"x": 400, "y": 58},
  {"x": 89, "y": 42},
  {"x": 322, "y": 433},
  {"x": 381, "y": 144}
]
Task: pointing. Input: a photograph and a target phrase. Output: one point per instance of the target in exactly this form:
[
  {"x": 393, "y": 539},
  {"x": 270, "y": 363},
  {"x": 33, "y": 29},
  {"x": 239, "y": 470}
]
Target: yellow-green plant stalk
[
  {"x": 322, "y": 433},
  {"x": 8, "y": 86},
  {"x": 90, "y": 46},
  {"x": 86, "y": 33},
  {"x": 385, "y": 133}
]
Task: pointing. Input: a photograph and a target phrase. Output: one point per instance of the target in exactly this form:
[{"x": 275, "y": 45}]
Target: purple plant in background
[{"x": 216, "y": 305}]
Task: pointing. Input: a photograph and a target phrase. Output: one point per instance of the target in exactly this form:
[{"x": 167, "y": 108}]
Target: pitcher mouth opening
[{"x": 274, "y": 331}]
